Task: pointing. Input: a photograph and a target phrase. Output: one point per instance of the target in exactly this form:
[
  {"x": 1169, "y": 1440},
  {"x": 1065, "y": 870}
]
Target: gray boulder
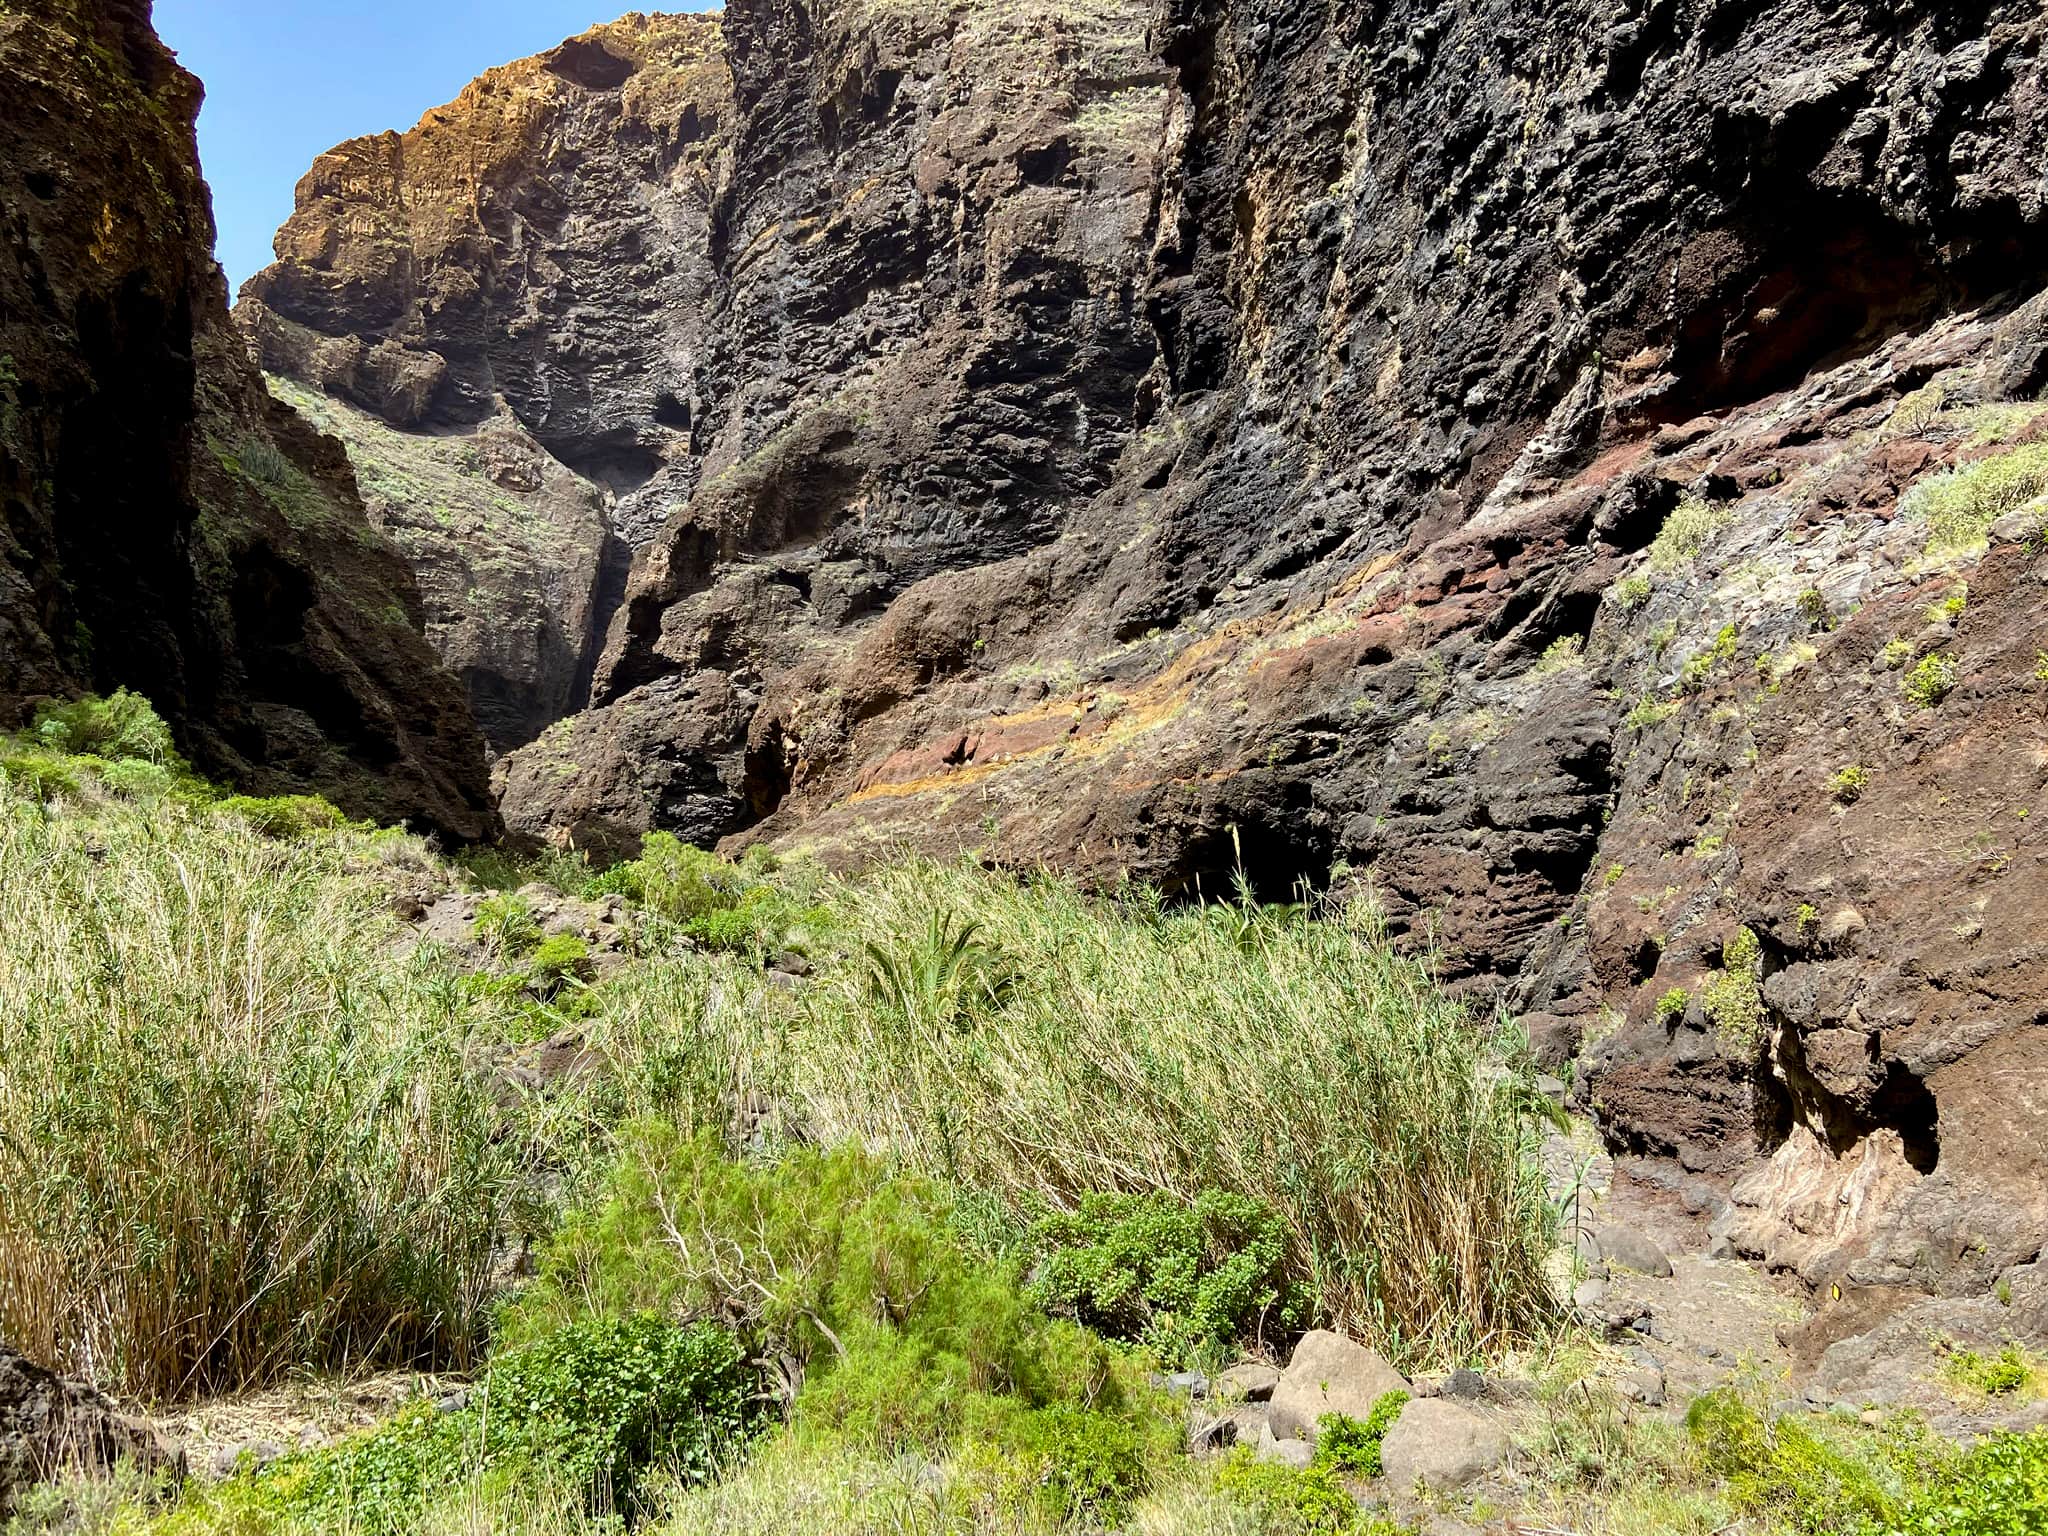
[
  {"x": 1442, "y": 1445},
  {"x": 1329, "y": 1374},
  {"x": 1632, "y": 1250}
]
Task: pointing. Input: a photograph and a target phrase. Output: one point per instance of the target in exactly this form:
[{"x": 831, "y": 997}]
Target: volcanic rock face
[
  {"x": 1532, "y": 467},
  {"x": 165, "y": 524}
]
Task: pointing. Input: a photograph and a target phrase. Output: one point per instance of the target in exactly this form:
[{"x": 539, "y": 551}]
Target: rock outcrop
[
  {"x": 164, "y": 524},
  {"x": 50, "y": 1426},
  {"x": 1579, "y": 477}
]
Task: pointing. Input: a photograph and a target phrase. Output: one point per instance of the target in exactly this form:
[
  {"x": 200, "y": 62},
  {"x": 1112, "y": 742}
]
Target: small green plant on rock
[
  {"x": 1929, "y": 682},
  {"x": 1300, "y": 1501},
  {"x": 1632, "y": 592},
  {"x": 1995, "y": 1375},
  {"x": 1560, "y": 655},
  {"x": 1813, "y": 608},
  {"x": 1692, "y": 523},
  {"x": 1672, "y": 1005},
  {"x": 1847, "y": 783},
  {"x": 1959, "y": 505},
  {"x": 505, "y": 923},
  {"x": 1896, "y": 653},
  {"x": 1733, "y": 997},
  {"x": 1353, "y": 1445}
]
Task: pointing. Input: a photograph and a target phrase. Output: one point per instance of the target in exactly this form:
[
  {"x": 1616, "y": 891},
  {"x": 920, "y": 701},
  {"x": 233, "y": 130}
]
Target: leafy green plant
[
  {"x": 1353, "y": 1445},
  {"x": 558, "y": 959},
  {"x": 1632, "y": 592},
  {"x": 285, "y": 816},
  {"x": 506, "y": 924},
  {"x": 1846, "y": 784},
  {"x": 1732, "y": 997},
  {"x": 1686, "y": 532},
  {"x": 1930, "y": 681},
  {"x": 940, "y": 979},
  {"x": 1959, "y": 505},
  {"x": 121, "y": 725},
  {"x": 1300, "y": 1501},
  {"x": 1167, "y": 1273},
  {"x": 1995, "y": 1375},
  {"x": 594, "y": 1407},
  {"x": 1699, "y": 668},
  {"x": 1672, "y": 1005}
]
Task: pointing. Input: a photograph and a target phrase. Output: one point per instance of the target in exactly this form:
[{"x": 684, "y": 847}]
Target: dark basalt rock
[
  {"x": 51, "y": 1426},
  {"x": 1169, "y": 439},
  {"x": 164, "y": 524}
]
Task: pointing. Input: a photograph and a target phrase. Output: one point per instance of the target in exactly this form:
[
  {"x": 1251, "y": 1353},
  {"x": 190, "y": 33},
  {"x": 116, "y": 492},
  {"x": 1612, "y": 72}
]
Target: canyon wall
[
  {"x": 164, "y": 524},
  {"x": 1578, "y": 477}
]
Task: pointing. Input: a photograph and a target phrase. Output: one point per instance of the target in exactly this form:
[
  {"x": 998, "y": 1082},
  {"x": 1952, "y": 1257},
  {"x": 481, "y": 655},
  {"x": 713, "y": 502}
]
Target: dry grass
[
  {"x": 1077, "y": 1045},
  {"x": 236, "y": 1134}
]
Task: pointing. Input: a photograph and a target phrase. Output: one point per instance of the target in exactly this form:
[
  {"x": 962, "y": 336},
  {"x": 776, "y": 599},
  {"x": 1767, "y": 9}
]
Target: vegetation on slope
[{"x": 894, "y": 1248}]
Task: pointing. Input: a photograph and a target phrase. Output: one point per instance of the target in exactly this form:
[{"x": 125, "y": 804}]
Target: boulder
[
  {"x": 1329, "y": 1374},
  {"x": 1287, "y": 1452},
  {"x": 49, "y": 1424},
  {"x": 1632, "y": 1250},
  {"x": 1251, "y": 1381},
  {"x": 1441, "y": 1444}
]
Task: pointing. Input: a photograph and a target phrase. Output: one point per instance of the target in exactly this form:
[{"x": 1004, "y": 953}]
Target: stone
[
  {"x": 1463, "y": 1385},
  {"x": 1251, "y": 1381},
  {"x": 1442, "y": 1445},
  {"x": 1239, "y": 1425},
  {"x": 1189, "y": 1384},
  {"x": 1591, "y": 1295},
  {"x": 1632, "y": 1250},
  {"x": 1329, "y": 1373},
  {"x": 51, "y": 1424},
  {"x": 1286, "y": 1452}
]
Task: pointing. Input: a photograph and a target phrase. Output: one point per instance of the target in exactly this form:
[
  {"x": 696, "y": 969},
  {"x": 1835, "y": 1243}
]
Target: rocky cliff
[
  {"x": 164, "y": 524},
  {"x": 1581, "y": 477}
]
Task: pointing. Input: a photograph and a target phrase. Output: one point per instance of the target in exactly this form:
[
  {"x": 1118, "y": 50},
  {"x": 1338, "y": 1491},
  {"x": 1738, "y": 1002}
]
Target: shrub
[
  {"x": 1959, "y": 505},
  {"x": 285, "y": 816},
  {"x": 505, "y": 923},
  {"x": 1672, "y": 1005},
  {"x": 1929, "y": 682},
  {"x": 594, "y": 1407},
  {"x": 1308, "y": 1500},
  {"x": 1686, "y": 532},
  {"x": 1813, "y": 609},
  {"x": 1081, "y": 1463},
  {"x": 1828, "y": 1478},
  {"x": 1632, "y": 592},
  {"x": 1353, "y": 1445},
  {"x": 1167, "y": 1273},
  {"x": 1996, "y": 1375},
  {"x": 1733, "y": 998},
  {"x": 824, "y": 1257},
  {"x": 1562, "y": 654},
  {"x": 122, "y": 725},
  {"x": 235, "y": 1136},
  {"x": 1703, "y": 666},
  {"x": 557, "y": 959},
  {"x": 1847, "y": 783},
  {"x": 1649, "y": 712}
]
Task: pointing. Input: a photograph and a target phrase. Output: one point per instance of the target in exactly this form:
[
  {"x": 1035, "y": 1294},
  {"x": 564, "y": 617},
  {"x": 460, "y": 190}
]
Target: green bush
[
  {"x": 594, "y": 1407},
  {"x": 1847, "y": 784},
  {"x": 559, "y": 958},
  {"x": 1996, "y": 1375},
  {"x": 285, "y": 815},
  {"x": 1959, "y": 505},
  {"x": 1928, "y": 682},
  {"x": 505, "y": 923},
  {"x": 1822, "y": 1477},
  {"x": 1080, "y": 1462},
  {"x": 1170, "y": 1274},
  {"x": 1306, "y": 1501},
  {"x": 122, "y": 725},
  {"x": 1353, "y": 1445}
]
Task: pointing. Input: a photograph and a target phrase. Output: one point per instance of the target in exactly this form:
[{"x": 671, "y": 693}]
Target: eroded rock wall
[
  {"x": 165, "y": 524},
  {"x": 1508, "y": 462}
]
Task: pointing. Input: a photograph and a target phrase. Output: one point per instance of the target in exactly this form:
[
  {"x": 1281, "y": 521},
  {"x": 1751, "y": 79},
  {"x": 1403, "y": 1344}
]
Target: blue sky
[{"x": 286, "y": 81}]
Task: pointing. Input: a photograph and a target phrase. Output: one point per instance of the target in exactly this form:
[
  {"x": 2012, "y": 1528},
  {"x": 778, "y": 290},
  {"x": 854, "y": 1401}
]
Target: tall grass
[
  {"x": 236, "y": 1132},
  {"x": 1028, "y": 1043}
]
